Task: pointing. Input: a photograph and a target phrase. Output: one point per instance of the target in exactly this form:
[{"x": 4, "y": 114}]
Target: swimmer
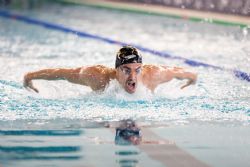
[{"x": 128, "y": 71}]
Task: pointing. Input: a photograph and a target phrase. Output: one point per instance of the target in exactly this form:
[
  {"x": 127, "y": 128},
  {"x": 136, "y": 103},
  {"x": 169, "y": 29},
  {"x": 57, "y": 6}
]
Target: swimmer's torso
[{"x": 98, "y": 77}]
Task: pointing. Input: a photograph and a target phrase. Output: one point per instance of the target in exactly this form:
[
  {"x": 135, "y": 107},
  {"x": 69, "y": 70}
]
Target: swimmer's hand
[
  {"x": 191, "y": 80},
  {"x": 27, "y": 83}
]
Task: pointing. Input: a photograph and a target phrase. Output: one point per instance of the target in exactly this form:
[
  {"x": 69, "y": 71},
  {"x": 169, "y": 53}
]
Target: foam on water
[
  {"x": 115, "y": 104},
  {"x": 217, "y": 96}
]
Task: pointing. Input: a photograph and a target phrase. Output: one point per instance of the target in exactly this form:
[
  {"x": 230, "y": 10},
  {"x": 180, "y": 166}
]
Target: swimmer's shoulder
[
  {"x": 97, "y": 69},
  {"x": 150, "y": 72},
  {"x": 159, "y": 68},
  {"x": 153, "y": 68},
  {"x": 154, "y": 72},
  {"x": 154, "y": 75}
]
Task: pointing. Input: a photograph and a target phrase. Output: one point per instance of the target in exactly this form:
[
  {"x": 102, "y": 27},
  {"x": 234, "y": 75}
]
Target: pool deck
[{"x": 194, "y": 15}]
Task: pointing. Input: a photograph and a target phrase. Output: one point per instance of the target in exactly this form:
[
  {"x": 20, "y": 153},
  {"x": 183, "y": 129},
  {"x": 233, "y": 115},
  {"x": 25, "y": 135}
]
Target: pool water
[{"x": 63, "y": 124}]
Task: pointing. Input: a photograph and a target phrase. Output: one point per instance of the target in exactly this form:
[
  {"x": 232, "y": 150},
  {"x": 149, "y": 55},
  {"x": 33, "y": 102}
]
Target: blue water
[{"x": 63, "y": 125}]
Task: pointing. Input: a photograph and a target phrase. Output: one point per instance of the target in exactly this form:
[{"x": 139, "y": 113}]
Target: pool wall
[{"x": 153, "y": 8}]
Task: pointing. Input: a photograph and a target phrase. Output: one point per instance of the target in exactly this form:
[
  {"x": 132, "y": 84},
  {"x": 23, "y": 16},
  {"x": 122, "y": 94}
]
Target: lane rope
[{"x": 6, "y": 14}]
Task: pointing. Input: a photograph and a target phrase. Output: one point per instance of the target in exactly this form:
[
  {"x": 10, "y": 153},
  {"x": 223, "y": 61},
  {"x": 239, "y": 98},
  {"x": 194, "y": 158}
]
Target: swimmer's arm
[
  {"x": 72, "y": 75},
  {"x": 180, "y": 73}
]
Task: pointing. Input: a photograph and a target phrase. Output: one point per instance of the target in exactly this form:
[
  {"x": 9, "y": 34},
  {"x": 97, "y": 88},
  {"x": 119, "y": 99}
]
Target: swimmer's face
[{"x": 128, "y": 75}]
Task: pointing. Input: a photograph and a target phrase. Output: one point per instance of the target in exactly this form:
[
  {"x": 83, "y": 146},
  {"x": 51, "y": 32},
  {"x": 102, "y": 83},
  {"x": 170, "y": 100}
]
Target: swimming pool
[{"x": 63, "y": 124}]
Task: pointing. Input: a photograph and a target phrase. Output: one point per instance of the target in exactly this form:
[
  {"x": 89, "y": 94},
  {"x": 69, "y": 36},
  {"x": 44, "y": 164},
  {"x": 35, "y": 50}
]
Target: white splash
[{"x": 115, "y": 90}]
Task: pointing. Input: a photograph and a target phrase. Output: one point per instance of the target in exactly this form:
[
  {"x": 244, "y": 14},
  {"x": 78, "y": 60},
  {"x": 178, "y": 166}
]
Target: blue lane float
[{"x": 6, "y": 14}]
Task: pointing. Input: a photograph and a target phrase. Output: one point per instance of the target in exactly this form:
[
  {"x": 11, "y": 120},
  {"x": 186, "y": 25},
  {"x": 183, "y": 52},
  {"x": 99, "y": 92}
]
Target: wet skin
[{"x": 128, "y": 75}]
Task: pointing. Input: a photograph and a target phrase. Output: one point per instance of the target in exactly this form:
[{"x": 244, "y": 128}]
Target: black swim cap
[{"x": 127, "y": 55}]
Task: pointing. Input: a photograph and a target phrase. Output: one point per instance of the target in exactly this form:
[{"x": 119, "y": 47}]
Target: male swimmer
[{"x": 128, "y": 71}]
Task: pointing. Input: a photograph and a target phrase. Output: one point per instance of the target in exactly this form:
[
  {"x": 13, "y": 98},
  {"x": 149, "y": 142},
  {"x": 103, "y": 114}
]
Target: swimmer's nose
[{"x": 133, "y": 76}]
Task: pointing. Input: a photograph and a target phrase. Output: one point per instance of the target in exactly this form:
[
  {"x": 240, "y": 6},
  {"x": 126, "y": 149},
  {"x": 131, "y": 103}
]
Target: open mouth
[{"x": 131, "y": 86}]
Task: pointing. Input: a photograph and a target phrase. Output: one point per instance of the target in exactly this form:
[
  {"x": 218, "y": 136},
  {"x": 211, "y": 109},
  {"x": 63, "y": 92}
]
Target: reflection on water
[
  {"x": 41, "y": 132},
  {"x": 130, "y": 142},
  {"x": 127, "y": 133},
  {"x": 33, "y": 153},
  {"x": 52, "y": 149},
  {"x": 26, "y": 147},
  {"x": 126, "y": 152},
  {"x": 128, "y": 162},
  {"x": 73, "y": 147}
]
